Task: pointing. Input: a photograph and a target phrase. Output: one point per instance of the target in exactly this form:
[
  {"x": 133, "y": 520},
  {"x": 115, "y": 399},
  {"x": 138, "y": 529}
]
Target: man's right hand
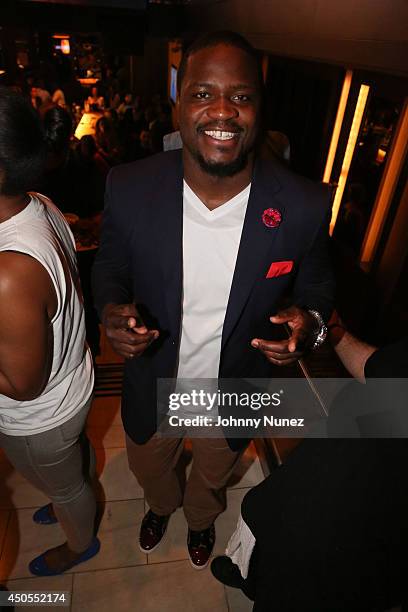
[{"x": 126, "y": 331}]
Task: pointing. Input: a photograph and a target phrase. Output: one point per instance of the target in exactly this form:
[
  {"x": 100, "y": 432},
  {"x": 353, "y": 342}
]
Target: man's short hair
[
  {"x": 213, "y": 39},
  {"x": 22, "y": 146}
]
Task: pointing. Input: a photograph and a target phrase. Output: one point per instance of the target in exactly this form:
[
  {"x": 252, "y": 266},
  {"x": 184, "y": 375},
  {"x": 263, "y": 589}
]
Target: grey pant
[{"x": 60, "y": 463}]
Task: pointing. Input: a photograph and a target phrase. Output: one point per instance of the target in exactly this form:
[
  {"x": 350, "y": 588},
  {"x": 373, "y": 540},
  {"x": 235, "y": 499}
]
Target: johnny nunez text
[{"x": 208, "y": 421}]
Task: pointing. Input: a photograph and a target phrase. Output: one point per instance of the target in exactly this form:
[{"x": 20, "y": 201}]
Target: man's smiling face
[{"x": 219, "y": 109}]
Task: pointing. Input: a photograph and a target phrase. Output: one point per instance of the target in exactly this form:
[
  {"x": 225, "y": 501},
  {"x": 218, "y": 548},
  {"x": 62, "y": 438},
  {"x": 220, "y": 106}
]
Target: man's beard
[{"x": 222, "y": 169}]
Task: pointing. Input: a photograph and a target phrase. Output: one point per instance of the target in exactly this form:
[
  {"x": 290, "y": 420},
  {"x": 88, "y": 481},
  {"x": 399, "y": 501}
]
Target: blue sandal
[
  {"x": 43, "y": 516},
  {"x": 39, "y": 567}
]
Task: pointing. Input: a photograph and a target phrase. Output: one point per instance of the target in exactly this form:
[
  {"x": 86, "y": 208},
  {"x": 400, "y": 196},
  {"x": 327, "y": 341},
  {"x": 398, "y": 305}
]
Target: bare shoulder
[
  {"x": 24, "y": 278},
  {"x": 16, "y": 266}
]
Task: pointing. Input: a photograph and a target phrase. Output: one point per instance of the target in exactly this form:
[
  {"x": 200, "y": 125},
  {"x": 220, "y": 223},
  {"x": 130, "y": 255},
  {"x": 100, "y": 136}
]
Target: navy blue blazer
[{"x": 140, "y": 259}]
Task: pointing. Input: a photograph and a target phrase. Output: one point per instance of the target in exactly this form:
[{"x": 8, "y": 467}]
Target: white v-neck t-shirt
[{"x": 210, "y": 246}]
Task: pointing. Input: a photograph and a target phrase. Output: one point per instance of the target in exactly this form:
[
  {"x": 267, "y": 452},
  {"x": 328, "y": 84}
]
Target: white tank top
[{"x": 41, "y": 231}]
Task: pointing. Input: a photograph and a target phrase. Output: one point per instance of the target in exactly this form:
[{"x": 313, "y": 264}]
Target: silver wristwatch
[{"x": 322, "y": 331}]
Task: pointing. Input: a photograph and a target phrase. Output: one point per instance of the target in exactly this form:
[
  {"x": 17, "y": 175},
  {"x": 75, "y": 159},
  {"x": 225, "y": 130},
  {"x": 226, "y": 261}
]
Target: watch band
[{"x": 321, "y": 334}]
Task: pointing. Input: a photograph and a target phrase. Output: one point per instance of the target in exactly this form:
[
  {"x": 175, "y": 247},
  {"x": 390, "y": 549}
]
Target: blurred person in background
[
  {"x": 77, "y": 183},
  {"x": 143, "y": 145},
  {"x": 107, "y": 141},
  {"x": 112, "y": 115},
  {"x": 92, "y": 172},
  {"x": 138, "y": 119},
  {"x": 46, "y": 373},
  {"x": 94, "y": 101},
  {"x": 161, "y": 126},
  {"x": 73, "y": 90},
  {"x": 58, "y": 96},
  {"x": 39, "y": 95},
  {"x": 127, "y": 104},
  {"x": 149, "y": 116},
  {"x": 127, "y": 134},
  {"x": 59, "y": 180}
]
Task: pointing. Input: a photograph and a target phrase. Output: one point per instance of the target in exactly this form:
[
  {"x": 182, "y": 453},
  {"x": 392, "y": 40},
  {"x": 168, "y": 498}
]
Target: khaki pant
[
  {"x": 60, "y": 462},
  {"x": 204, "y": 496}
]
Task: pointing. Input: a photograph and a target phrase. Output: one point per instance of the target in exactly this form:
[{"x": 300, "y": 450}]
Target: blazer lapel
[
  {"x": 256, "y": 240},
  {"x": 170, "y": 239}
]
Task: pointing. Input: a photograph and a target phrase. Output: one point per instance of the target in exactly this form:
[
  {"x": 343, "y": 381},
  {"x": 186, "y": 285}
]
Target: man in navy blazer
[{"x": 198, "y": 249}]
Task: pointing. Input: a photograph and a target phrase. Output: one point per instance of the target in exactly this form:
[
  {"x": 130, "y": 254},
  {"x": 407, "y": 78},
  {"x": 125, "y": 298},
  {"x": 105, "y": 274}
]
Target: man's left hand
[{"x": 284, "y": 352}]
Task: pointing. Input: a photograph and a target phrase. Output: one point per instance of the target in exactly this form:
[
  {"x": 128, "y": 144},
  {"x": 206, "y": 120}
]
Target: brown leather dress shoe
[
  {"x": 200, "y": 546},
  {"x": 152, "y": 531}
]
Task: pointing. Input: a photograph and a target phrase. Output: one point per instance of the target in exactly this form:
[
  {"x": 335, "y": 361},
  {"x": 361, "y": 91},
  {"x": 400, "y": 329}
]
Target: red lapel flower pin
[{"x": 271, "y": 217}]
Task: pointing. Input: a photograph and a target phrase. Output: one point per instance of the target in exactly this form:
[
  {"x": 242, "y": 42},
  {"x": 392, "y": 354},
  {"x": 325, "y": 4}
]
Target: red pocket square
[{"x": 278, "y": 268}]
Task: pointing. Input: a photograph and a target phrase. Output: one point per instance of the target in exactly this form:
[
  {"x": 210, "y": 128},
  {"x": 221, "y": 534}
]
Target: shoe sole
[{"x": 148, "y": 552}]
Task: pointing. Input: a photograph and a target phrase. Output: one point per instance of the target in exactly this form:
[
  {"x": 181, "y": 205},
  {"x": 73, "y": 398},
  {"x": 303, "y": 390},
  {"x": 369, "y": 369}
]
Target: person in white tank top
[{"x": 46, "y": 371}]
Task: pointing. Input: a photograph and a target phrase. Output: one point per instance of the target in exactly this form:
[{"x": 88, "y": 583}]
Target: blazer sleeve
[
  {"x": 111, "y": 282},
  {"x": 314, "y": 286}
]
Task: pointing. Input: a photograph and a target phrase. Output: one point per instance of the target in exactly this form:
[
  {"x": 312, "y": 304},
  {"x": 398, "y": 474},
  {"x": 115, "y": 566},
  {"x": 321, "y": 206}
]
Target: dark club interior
[{"x": 102, "y": 76}]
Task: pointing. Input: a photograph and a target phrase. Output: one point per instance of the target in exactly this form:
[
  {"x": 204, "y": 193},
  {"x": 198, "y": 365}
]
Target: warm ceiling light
[
  {"x": 348, "y": 155},
  {"x": 65, "y": 48},
  {"x": 337, "y": 126},
  {"x": 88, "y": 81},
  {"x": 60, "y": 36},
  {"x": 380, "y": 157}
]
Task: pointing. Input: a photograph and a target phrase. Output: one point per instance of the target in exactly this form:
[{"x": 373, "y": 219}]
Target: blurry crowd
[
  {"x": 88, "y": 129},
  {"x": 118, "y": 127}
]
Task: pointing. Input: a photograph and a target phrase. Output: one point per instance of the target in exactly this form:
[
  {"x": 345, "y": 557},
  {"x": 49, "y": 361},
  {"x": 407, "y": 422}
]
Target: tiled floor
[{"x": 120, "y": 577}]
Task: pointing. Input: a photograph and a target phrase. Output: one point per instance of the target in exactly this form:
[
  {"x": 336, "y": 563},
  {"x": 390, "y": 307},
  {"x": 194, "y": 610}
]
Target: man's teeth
[{"x": 219, "y": 135}]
